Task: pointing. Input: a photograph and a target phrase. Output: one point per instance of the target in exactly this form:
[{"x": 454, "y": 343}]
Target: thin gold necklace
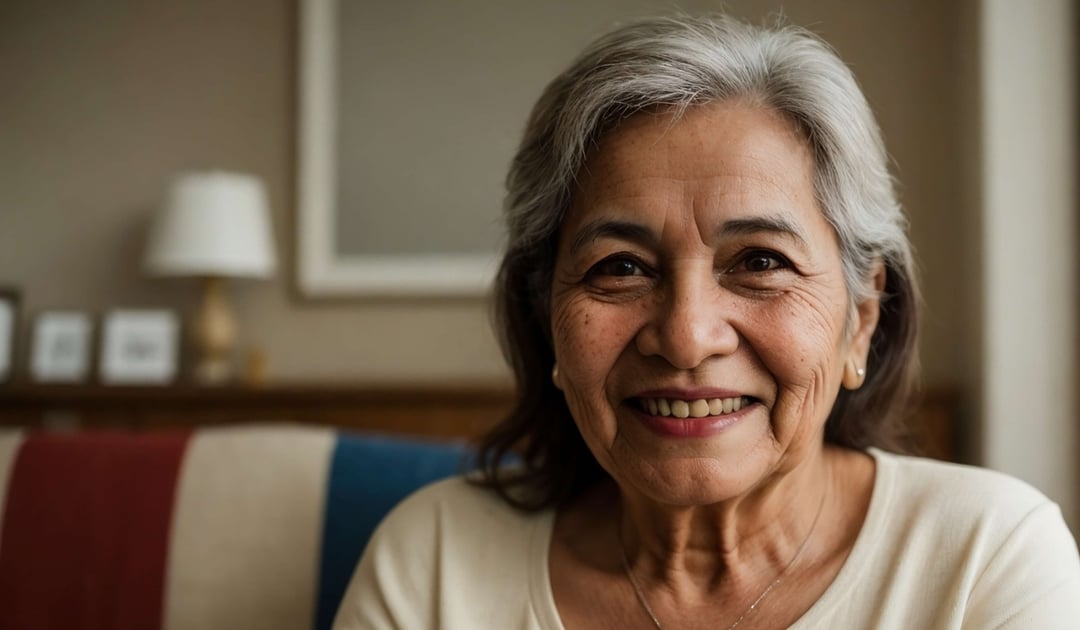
[{"x": 656, "y": 622}]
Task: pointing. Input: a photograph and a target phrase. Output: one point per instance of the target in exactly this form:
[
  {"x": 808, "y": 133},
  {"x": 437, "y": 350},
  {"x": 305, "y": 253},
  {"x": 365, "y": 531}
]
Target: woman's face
[{"x": 698, "y": 304}]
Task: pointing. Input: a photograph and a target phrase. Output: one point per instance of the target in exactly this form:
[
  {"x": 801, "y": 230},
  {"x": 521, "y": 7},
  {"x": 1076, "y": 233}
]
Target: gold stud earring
[{"x": 555, "y": 376}]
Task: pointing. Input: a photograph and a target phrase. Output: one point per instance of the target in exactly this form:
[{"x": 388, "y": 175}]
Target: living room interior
[{"x": 105, "y": 105}]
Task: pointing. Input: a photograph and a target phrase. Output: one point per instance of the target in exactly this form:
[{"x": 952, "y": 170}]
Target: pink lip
[{"x": 691, "y": 427}]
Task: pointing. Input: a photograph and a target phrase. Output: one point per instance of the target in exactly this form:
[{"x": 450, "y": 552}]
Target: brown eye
[
  {"x": 620, "y": 267},
  {"x": 760, "y": 262}
]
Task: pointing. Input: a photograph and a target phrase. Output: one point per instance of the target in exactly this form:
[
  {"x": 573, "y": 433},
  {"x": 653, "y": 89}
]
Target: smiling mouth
[{"x": 700, "y": 408}]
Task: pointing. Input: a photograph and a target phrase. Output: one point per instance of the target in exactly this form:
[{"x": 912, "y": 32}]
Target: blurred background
[{"x": 103, "y": 103}]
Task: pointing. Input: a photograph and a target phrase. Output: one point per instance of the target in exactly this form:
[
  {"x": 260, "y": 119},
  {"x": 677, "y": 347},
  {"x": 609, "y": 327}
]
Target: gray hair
[
  {"x": 674, "y": 63},
  {"x": 683, "y": 61}
]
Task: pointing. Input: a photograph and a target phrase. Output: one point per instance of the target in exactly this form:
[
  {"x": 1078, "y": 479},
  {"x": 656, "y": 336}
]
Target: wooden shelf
[{"x": 440, "y": 412}]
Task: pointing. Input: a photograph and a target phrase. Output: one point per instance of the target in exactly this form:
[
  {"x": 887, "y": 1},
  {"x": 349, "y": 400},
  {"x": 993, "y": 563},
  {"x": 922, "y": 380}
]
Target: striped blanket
[{"x": 231, "y": 527}]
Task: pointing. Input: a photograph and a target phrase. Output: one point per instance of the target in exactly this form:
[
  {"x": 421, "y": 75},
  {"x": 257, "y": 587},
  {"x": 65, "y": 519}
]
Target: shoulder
[
  {"x": 968, "y": 510},
  {"x": 957, "y": 490},
  {"x": 452, "y": 500},
  {"x": 994, "y": 541},
  {"x": 448, "y": 542},
  {"x": 453, "y": 516}
]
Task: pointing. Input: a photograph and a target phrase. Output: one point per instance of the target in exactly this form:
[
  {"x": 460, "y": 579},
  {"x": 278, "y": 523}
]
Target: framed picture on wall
[
  {"x": 139, "y": 347},
  {"x": 61, "y": 347},
  {"x": 9, "y": 325}
]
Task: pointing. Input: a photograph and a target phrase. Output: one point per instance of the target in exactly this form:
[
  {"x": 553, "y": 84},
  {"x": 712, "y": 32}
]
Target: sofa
[{"x": 246, "y": 526}]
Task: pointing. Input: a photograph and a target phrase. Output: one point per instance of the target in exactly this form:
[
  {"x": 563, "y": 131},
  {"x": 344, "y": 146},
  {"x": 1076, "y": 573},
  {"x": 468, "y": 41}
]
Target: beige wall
[
  {"x": 1029, "y": 235},
  {"x": 101, "y": 102}
]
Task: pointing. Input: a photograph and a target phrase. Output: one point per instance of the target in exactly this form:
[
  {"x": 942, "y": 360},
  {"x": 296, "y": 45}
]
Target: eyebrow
[
  {"x": 754, "y": 225},
  {"x": 610, "y": 228}
]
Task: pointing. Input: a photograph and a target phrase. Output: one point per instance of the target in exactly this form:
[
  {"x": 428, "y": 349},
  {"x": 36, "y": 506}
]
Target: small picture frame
[
  {"x": 139, "y": 347},
  {"x": 9, "y": 328},
  {"x": 61, "y": 347}
]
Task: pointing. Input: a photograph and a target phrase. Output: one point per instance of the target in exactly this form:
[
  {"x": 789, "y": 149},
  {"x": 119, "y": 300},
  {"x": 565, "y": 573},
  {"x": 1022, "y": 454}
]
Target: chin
[{"x": 690, "y": 481}]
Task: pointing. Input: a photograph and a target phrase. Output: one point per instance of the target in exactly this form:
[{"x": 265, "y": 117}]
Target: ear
[{"x": 867, "y": 313}]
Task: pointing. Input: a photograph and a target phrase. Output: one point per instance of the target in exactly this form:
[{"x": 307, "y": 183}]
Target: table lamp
[{"x": 213, "y": 226}]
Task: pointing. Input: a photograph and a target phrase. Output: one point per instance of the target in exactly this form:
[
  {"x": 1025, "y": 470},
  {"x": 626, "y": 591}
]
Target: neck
[{"x": 738, "y": 541}]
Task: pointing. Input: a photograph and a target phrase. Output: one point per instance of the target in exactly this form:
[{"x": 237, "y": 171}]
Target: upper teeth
[{"x": 693, "y": 408}]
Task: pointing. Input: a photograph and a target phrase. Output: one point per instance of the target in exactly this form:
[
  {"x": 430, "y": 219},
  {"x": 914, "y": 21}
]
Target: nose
[{"x": 690, "y": 322}]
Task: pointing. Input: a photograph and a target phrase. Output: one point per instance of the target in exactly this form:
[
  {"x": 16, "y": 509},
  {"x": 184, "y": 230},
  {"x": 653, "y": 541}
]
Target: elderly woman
[{"x": 709, "y": 304}]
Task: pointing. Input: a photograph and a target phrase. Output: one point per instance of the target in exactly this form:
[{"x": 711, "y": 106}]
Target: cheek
[
  {"x": 798, "y": 342},
  {"x": 587, "y": 335},
  {"x": 799, "y": 339}
]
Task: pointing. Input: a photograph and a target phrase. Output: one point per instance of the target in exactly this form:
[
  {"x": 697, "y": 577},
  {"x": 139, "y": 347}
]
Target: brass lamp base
[
  {"x": 214, "y": 334},
  {"x": 213, "y": 372}
]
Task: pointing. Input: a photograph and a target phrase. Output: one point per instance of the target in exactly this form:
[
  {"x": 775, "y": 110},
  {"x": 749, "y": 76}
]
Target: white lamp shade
[{"x": 212, "y": 224}]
